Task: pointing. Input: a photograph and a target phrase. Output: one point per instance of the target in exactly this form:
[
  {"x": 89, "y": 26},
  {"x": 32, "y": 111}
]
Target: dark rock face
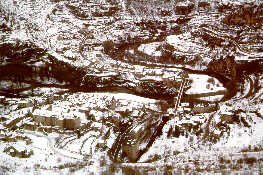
[
  {"x": 184, "y": 8},
  {"x": 83, "y": 10},
  {"x": 212, "y": 41},
  {"x": 247, "y": 15},
  {"x": 30, "y": 67},
  {"x": 225, "y": 67},
  {"x": 204, "y": 5},
  {"x": 105, "y": 12},
  {"x": 224, "y": 7},
  {"x": 183, "y": 20}
]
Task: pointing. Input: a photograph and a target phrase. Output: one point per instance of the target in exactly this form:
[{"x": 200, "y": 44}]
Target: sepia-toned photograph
[{"x": 132, "y": 87}]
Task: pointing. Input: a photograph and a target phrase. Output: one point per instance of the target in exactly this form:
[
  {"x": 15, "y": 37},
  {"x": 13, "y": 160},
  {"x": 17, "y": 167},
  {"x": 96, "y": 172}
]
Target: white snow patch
[
  {"x": 182, "y": 43},
  {"x": 52, "y": 30},
  {"x": 150, "y": 49},
  {"x": 201, "y": 85},
  {"x": 213, "y": 98},
  {"x": 69, "y": 54}
]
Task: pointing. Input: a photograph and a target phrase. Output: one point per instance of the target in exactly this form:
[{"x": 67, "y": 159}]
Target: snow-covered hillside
[{"x": 91, "y": 87}]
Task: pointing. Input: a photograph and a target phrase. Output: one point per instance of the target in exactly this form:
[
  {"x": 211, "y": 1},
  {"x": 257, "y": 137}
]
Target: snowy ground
[{"x": 73, "y": 132}]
